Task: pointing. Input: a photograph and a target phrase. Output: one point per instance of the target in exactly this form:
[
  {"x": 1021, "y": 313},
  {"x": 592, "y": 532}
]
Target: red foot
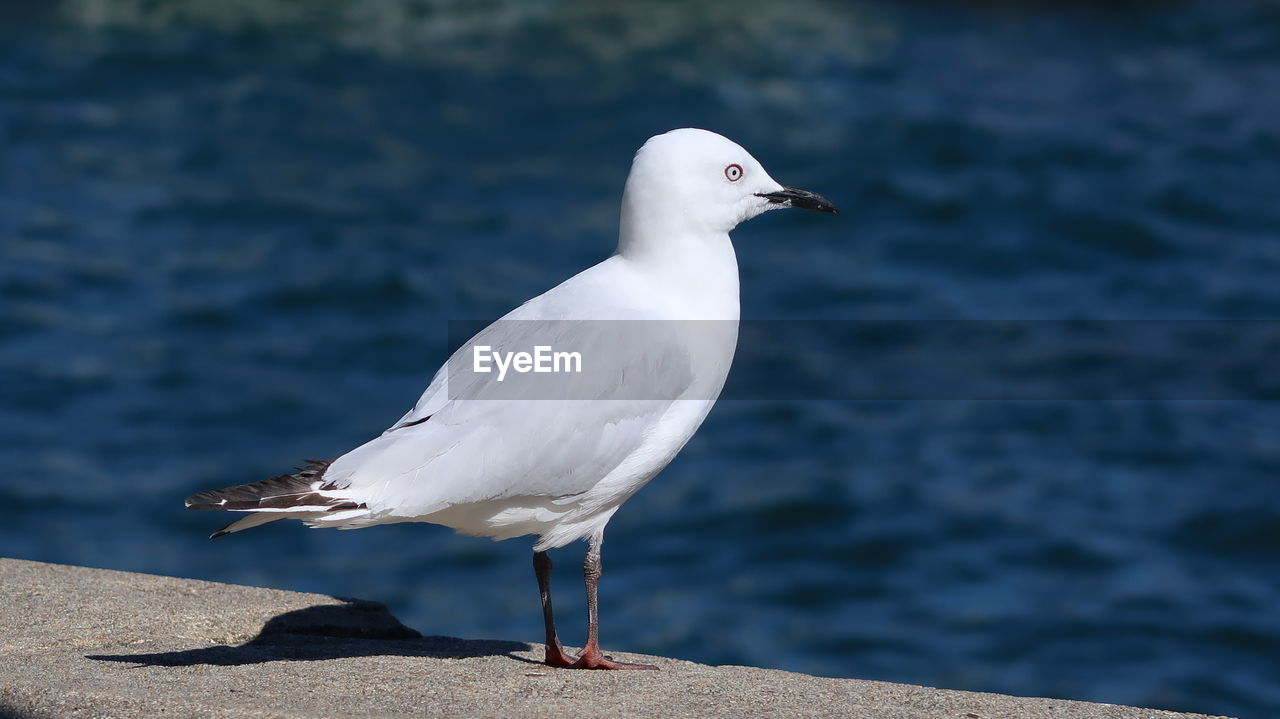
[
  {"x": 557, "y": 658},
  {"x": 592, "y": 659}
]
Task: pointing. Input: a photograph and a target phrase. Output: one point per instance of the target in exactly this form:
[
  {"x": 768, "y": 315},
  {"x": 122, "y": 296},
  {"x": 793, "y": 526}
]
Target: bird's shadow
[{"x": 355, "y": 628}]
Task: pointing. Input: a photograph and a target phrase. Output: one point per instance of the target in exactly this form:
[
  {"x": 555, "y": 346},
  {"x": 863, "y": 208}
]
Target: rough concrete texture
[{"x": 77, "y": 642}]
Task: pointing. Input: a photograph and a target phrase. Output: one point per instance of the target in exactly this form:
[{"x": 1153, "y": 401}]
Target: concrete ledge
[{"x": 78, "y": 642}]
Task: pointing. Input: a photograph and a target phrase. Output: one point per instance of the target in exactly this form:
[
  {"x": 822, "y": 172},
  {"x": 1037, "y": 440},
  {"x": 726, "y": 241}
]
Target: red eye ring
[{"x": 733, "y": 172}]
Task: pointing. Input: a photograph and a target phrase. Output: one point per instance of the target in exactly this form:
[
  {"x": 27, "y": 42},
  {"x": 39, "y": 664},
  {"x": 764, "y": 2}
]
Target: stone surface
[{"x": 77, "y": 642}]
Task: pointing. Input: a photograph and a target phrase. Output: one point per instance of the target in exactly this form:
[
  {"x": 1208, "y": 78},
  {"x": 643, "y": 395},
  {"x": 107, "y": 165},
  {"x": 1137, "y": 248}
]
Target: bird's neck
[
  {"x": 692, "y": 263},
  {"x": 699, "y": 272}
]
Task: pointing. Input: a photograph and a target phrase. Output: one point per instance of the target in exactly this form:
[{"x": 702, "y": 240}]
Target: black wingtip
[
  {"x": 219, "y": 533},
  {"x": 205, "y": 501}
]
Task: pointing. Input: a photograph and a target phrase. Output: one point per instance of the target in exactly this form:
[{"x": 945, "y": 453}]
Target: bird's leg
[
  {"x": 555, "y": 653},
  {"x": 591, "y": 658}
]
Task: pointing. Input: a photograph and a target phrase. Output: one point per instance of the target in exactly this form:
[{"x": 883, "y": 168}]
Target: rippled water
[{"x": 232, "y": 235}]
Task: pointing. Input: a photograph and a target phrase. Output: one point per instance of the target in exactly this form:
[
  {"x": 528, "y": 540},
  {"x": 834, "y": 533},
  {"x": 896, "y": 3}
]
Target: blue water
[{"x": 232, "y": 235}]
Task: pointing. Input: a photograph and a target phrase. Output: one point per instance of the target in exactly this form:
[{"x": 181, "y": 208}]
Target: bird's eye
[{"x": 733, "y": 172}]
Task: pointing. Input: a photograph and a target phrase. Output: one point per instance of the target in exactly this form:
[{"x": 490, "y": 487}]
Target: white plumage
[{"x": 557, "y": 459}]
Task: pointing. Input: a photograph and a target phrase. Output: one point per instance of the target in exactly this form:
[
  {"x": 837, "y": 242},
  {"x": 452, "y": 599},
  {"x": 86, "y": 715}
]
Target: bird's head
[{"x": 695, "y": 180}]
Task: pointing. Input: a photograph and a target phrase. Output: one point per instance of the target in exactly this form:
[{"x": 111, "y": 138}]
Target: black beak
[{"x": 805, "y": 200}]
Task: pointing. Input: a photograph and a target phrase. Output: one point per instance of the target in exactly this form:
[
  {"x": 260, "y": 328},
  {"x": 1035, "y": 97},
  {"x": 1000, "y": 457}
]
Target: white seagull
[{"x": 484, "y": 459}]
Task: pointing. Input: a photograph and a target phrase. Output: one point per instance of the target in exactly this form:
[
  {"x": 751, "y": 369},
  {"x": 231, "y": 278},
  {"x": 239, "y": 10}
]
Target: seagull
[{"x": 658, "y": 318}]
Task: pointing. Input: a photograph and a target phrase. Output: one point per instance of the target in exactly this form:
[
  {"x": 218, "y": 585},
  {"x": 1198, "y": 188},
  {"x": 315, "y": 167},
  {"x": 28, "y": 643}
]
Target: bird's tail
[{"x": 302, "y": 495}]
